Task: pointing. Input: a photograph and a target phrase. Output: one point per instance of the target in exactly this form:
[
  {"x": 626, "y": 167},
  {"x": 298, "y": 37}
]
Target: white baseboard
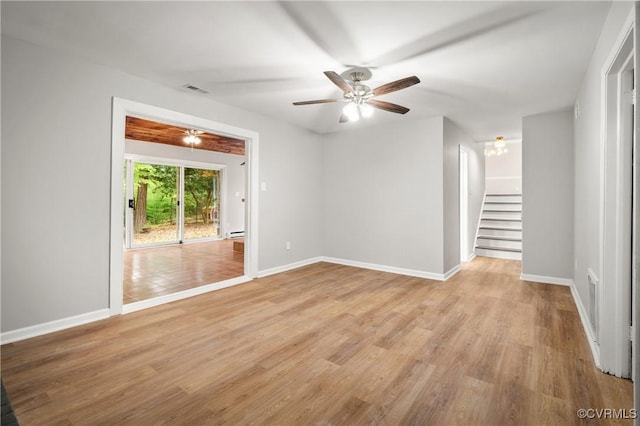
[
  {"x": 586, "y": 324},
  {"x": 62, "y": 324},
  {"x": 364, "y": 265},
  {"x": 288, "y": 267},
  {"x": 392, "y": 269},
  {"x": 160, "y": 300},
  {"x": 451, "y": 272},
  {"x": 582, "y": 312},
  {"x": 52, "y": 326},
  {"x": 547, "y": 280},
  {"x": 471, "y": 257}
]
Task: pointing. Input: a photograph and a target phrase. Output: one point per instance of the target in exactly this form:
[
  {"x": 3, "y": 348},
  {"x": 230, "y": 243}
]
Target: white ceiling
[{"x": 485, "y": 65}]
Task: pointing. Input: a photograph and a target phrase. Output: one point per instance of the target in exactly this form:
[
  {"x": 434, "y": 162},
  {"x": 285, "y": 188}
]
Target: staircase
[{"x": 500, "y": 231}]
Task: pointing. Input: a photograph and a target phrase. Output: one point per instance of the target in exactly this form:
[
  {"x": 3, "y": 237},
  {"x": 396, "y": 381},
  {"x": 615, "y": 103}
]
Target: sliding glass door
[
  {"x": 201, "y": 203},
  {"x": 168, "y": 204}
]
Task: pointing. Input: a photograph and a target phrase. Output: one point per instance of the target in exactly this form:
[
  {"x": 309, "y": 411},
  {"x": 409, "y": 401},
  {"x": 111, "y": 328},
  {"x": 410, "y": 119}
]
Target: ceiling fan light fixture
[
  {"x": 351, "y": 112},
  {"x": 366, "y": 110},
  {"x": 192, "y": 137}
]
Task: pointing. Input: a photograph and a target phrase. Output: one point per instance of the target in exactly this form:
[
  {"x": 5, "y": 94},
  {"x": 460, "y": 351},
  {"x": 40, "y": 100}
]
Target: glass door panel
[
  {"x": 201, "y": 203},
  {"x": 155, "y": 201}
]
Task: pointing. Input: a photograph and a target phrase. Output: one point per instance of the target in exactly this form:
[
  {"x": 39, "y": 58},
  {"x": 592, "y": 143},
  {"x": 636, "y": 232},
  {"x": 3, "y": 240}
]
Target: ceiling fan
[
  {"x": 192, "y": 136},
  {"x": 359, "y": 97}
]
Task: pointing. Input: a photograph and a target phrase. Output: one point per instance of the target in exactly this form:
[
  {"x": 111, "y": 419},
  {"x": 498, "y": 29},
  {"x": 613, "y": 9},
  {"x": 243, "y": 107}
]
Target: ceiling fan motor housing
[{"x": 357, "y": 76}]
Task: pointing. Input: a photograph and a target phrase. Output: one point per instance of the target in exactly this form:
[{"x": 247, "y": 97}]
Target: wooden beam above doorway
[{"x": 151, "y": 131}]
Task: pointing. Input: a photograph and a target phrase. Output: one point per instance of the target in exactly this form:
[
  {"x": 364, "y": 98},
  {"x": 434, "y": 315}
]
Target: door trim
[
  {"x": 463, "y": 196},
  {"x": 120, "y": 109},
  {"x": 614, "y": 317}
]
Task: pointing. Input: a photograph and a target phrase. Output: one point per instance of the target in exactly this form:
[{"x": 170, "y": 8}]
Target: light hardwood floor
[
  {"x": 326, "y": 344},
  {"x": 157, "y": 271}
]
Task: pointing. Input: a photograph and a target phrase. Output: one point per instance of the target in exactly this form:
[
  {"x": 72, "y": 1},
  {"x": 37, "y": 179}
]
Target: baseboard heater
[{"x": 236, "y": 234}]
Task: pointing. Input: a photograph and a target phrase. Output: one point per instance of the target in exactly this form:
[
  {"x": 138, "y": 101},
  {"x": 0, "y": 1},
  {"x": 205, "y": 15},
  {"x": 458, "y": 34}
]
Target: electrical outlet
[{"x": 288, "y": 245}]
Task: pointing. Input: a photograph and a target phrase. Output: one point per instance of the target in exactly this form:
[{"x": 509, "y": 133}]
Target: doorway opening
[
  {"x": 175, "y": 219},
  {"x": 171, "y": 206},
  {"x": 500, "y": 229}
]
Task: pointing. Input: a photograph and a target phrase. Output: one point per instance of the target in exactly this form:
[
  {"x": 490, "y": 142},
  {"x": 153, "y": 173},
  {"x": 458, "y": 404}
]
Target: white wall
[
  {"x": 454, "y": 137},
  {"x": 234, "y": 174},
  {"x": 383, "y": 195},
  {"x": 503, "y": 173},
  {"x": 392, "y": 198},
  {"x": 56, "y": 142},
  {"x": 547, "y": 203}
]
